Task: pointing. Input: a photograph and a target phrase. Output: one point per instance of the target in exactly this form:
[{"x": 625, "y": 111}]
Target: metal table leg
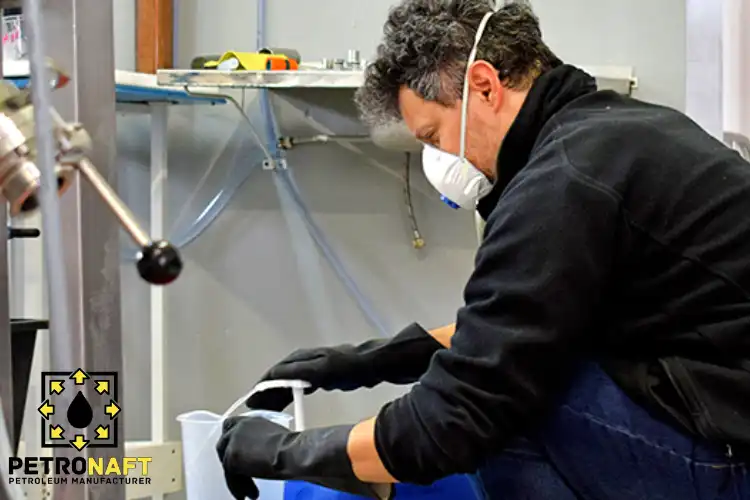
[{"x": 159, "y": 119}]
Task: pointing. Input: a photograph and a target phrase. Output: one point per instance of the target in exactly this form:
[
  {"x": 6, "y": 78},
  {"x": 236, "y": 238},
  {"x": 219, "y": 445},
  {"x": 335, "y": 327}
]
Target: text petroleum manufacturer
[{"x": 79, "y": 470}]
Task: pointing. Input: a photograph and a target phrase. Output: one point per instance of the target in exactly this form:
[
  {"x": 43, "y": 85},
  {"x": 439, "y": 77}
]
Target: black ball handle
[{"x": 159, "y": 263}]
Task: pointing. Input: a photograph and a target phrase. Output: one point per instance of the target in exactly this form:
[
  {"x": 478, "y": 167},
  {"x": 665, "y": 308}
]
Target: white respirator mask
[{"x": 460, "y": 184}]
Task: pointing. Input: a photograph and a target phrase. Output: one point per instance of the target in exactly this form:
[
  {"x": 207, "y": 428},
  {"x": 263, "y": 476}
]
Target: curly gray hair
[{"x": 426, "y": 45}]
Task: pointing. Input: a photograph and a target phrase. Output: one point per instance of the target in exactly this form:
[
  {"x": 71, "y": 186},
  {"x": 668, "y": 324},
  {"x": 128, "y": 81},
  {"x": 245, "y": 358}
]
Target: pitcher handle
[{"x": 298, "y": 393}]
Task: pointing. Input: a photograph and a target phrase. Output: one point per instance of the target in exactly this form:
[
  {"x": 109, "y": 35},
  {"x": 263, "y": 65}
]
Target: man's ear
[{"x": 483, "y": 78}]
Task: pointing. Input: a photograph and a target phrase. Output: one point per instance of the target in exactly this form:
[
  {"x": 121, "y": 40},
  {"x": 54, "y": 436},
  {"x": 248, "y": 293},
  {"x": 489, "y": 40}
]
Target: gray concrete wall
[{"x": 255, "y": 286}]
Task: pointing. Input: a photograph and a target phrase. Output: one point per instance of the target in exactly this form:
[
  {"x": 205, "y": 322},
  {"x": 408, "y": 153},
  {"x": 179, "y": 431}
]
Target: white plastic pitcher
[{"x": 201, "y": 430}]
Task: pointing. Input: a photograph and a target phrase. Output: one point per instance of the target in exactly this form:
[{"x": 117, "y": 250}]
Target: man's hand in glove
[
  {"x": 399, "y": 360},
  {"x": 253, "y": 447}
]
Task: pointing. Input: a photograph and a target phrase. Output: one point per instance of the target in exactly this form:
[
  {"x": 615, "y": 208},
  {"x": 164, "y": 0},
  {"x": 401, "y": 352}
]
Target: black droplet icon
[{"x": 80, "y": 413}]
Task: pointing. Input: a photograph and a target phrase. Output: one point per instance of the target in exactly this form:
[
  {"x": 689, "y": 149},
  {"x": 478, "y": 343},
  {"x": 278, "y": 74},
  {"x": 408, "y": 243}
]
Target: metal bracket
[{"x": 278, "y": 163}]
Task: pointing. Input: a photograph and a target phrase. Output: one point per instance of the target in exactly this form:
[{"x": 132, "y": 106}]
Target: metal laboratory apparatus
[{"x": 44, "y": 157}]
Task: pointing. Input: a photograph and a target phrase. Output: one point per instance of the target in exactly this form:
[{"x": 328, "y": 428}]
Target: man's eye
[{"x": 428, "y": 138}]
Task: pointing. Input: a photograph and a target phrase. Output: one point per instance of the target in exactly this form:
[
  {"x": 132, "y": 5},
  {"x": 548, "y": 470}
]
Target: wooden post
[{"x": 154, "y": 35}]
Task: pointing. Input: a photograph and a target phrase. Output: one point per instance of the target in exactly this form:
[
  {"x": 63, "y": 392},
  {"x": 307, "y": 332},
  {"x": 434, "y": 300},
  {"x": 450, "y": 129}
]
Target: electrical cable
[{"x": 417, "y": 240}]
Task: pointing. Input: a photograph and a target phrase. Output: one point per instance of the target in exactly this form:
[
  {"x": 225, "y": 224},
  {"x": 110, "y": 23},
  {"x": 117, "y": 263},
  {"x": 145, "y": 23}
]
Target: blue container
[{"x": 459, "y": 487}]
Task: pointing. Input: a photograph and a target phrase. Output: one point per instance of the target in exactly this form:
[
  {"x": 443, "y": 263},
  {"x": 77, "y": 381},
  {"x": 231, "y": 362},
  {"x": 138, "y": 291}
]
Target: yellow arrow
[
  {"x": 56, "y": 386},
  {"x": 79, "y": 443},
  {"x": 56, "y": 432},
  {"x": 102, "y": 386},
  {"x": 46, "y": 409},
  {"x": 102, "y": 432},
  {"x": 79, "y": 376},
  {"x": 112, "y": 409}
]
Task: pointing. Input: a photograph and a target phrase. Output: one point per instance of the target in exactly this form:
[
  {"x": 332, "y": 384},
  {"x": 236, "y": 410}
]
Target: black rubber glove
[
  {"x": 399, "y": 360},
  {"x": 253, "y": 447}
]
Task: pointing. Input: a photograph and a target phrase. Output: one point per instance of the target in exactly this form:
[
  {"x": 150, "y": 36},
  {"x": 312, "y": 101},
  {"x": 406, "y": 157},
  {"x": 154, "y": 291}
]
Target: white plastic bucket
[{"x": 201, "y": 430}]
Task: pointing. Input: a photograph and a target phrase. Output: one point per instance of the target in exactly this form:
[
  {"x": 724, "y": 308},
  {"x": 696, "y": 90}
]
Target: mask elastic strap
[{"x": 465, "y": 96}]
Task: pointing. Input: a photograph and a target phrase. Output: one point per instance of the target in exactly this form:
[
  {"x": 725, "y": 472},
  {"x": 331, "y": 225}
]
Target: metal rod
[
  {"x": 260, "y": 33},
  {"x": 7, "y": 491},
  {"x": 9, "y": 399},
  {"x": 290, "y": 142},
  {"x": 331, "y": 138},
  {"x": 61, "y": 334},
  {"x": 159, "y": 172},
  {"x": 109, "y": 196},
  {"x": 63, "y": 338}
]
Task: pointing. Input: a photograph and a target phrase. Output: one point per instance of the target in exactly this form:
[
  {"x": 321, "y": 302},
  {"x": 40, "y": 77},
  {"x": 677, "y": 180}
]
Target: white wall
[
  {"x": 648, "y": 35},
  {"x": 736, "y": 55},
  {"x": 704, "y": 64}
]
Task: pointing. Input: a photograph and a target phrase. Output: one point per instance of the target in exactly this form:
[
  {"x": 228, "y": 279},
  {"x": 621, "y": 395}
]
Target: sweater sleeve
[{"x": 540, "y": 274}]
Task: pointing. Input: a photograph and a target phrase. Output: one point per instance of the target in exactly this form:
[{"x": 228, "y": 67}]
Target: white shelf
[
  {"x": 331, "y": 79},
  {"x": 617, "y": 78}
]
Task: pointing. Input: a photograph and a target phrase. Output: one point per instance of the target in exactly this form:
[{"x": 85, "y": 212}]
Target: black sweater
[{"x": 617, "y": 231}]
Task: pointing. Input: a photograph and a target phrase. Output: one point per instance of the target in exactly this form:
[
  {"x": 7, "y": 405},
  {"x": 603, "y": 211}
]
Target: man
[{"x": 603, "y": 351}]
